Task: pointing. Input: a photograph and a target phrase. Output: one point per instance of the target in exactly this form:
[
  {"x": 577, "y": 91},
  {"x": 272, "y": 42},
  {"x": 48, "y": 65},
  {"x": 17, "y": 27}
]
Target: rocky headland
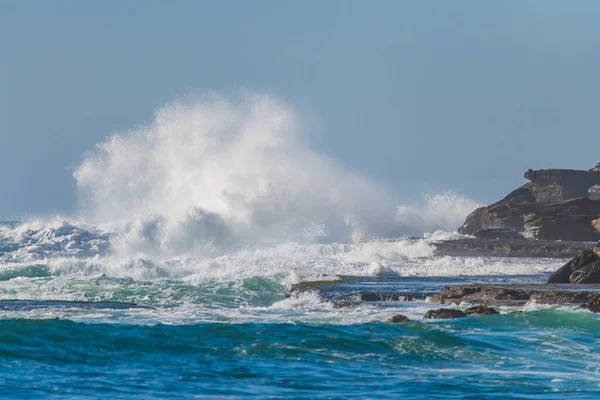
[{"x": 556, "y": 204}]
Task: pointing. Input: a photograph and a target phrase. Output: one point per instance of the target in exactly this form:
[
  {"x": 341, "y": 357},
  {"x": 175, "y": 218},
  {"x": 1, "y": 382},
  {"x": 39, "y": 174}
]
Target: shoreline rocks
[
  {"x": 444, "y": 313},
  {"x": 481, "y": 310},
  {"x": 516, "y": 294}
]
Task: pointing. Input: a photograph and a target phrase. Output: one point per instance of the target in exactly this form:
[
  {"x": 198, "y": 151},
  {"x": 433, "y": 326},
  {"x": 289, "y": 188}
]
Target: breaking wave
[
  {"x": 225, "y": 200},
  {"x": 214, "y": 175}
]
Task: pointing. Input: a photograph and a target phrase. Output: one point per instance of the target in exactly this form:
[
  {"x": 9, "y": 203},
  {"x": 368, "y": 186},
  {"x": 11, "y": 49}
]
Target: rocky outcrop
[
  {"x": 397, "y": 319},
  {"x": 481, "y": 310},
  {"x": 596, "y": 168},
  {"x": 516, "y": 294},
  {"x": 444, "y": 313},
  {"x": 561, "y": 184},
  {"x": 570, "y": 220},
  {"x": 588, "y": 274},
  {"x": 557, "y": 204},
  {"x": 564, "y": 274},
  {"x": 564, "y": 220}
]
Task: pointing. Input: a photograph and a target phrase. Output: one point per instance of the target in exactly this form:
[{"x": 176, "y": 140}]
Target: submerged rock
[
  {"x": 444, "y": 313},
  {"x": 345, "y": 304},
  {"x": 396, "y": 319},
  {"x": 564, "y": 273},
  {"x": 481, "y": 310}
]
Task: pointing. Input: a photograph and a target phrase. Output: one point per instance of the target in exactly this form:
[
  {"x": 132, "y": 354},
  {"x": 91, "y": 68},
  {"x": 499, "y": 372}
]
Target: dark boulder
[
  {"x": 563, "y": 274},
  {"x": 444, "y": 313},
  {"x": 481, "y": 310},
  {"x": 589, "y": 273},
  {"x": 498, "y": 233},
  {"x": 397, "y": 319}
]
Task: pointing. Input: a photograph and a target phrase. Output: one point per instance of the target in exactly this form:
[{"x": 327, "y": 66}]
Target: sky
[{"x": 419, "y": 95}]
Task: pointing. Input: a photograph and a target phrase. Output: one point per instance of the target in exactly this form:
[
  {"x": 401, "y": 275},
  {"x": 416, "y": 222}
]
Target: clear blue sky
[{"x": 420, "y": 95}]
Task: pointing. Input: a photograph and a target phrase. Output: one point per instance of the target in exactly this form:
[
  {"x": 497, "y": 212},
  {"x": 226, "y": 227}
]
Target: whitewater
[{"x": 205, "y": 217}]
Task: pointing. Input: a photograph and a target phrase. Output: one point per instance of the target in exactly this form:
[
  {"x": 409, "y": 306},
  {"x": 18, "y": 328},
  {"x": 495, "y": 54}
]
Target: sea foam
[{"x": 213, "y": 175}]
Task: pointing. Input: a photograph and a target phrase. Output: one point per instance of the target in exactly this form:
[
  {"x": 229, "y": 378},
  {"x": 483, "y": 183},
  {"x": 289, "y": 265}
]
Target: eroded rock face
[
  {"x": 570, "y": 220},
  {"x": 444, "y": 313},
  {"x": 564, "y": 273},
  {"x": 596, "y": 168},
  {"x": 397, "y": 319},
  {"x": 589, "y": 273},
  {"x": 561, "y": 184},
  {"x": 557, "y": 204},
  {"x": 481, "y": 310}
]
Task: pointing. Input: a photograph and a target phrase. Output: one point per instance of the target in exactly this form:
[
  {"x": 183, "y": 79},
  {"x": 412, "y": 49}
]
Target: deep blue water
[{"x": 542, "y": 354}]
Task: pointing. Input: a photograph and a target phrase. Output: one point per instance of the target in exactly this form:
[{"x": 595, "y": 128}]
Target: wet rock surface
[
  {"x": 392, "y": 292},
  {"x": 481, "y": 310},
  {"x": 516, "y": 294},
  {"x": 444, "y": 313},
  {"x": 397, "y": 319}
]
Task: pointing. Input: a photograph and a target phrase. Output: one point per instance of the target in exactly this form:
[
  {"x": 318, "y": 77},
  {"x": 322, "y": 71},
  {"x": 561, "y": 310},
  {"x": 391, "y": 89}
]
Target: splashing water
[
  {"x": 226, "y": 190},
  {"x": 215, "y": 175}
]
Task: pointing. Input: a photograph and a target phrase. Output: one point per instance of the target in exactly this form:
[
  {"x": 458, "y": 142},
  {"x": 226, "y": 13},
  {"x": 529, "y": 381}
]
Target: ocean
[
  {"x": 171, "y": 279},
  {"x": 224, "y": 328}
]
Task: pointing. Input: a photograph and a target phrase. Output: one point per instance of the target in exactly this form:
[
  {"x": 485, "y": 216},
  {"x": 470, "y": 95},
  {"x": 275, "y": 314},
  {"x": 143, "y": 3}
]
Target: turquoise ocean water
[{"x": 222, "y": 326}]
